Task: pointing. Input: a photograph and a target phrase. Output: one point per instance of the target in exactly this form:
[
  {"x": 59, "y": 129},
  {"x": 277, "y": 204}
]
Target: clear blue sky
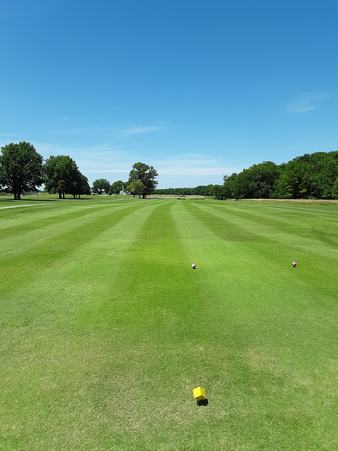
[{"x": 197, "y": 88}]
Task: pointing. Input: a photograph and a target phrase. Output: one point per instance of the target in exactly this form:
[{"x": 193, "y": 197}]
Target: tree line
[
  {"x": 201, "y": 190},
  {"x": 315, "y": 175},
  {"x": 23, "y": 170},
  {"x": 308, "y": 176}
]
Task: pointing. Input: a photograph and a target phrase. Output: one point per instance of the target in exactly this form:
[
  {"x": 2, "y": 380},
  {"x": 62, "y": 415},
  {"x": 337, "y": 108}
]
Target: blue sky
[{"x": 196, "y": 88}]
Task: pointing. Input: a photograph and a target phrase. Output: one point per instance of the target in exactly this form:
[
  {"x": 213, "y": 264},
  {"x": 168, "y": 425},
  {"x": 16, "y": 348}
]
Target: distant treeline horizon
[{"x": 310, "y": 176}]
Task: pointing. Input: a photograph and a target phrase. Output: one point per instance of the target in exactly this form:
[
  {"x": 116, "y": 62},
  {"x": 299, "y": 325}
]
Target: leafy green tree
[
  {"x": 229, "y": 187},
  {"x": 146, "y": 174},
  {"x": 61, "y": 174},
  {"x": 258, "y": 181},
  {"x": 100, "y": 186},
  {"x": 85, "y": 188},
  {"x": 219, "y": 192},
  {"x": 116, "y": 187},
  {"x": 308, "y": 176},
  {"x": 79, "y": 185},
  {"x": 287, "y": 186},
  {"x": 335, "y": 189},
  {"x": 136, "y": 187},
  {"x": 21, "y": 168},
  {"x": 328, "y": 173}
]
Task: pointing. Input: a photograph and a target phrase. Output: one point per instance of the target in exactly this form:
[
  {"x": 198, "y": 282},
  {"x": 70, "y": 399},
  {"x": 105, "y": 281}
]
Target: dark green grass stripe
[
  {"x": 55, "y": 249},
  {"x": 152, "y": 311}
]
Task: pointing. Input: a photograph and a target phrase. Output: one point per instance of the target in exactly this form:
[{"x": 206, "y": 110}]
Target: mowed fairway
[{"x": 106, "y": 329}]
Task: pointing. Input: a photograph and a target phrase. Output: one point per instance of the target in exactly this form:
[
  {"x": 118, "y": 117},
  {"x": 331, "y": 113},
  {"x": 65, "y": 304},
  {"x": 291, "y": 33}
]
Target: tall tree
[
  {"x": 100, "y": 186},
  {"x": 61, "y": 172},
  {"x": 21, "y": 168},
  {"x": 146, "y": 174}
]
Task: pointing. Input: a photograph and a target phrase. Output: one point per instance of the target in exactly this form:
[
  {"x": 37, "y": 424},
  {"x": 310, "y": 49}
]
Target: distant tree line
[
  {"x": 201, "y": 190},
  {"x": 309, "y": 176},
  {"x": 315, "y": 175}
]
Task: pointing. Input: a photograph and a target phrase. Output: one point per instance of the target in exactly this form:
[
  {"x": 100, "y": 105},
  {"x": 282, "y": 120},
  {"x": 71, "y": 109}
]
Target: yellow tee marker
[{"x": 199, "y": 393}]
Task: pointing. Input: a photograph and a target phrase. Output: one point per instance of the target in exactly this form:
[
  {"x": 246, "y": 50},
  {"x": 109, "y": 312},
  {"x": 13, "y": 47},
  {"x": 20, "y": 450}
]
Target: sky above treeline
[{"x": 197, "y": 88}]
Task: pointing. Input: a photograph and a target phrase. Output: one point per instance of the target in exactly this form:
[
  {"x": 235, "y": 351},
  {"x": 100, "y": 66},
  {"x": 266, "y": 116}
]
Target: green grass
[{"x": 105, "y": 329}]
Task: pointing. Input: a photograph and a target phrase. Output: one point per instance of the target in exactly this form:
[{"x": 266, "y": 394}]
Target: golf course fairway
[{"x": 105, "y": 329}]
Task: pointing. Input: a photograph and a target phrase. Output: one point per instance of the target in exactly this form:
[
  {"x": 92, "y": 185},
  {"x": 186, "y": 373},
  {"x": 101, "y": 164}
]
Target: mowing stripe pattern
[{"x": 106, "y": 329}]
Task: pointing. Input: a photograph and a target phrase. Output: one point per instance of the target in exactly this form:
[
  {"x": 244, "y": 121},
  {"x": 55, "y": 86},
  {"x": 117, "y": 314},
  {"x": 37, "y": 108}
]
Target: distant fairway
[{"x": 106, "y": 329}]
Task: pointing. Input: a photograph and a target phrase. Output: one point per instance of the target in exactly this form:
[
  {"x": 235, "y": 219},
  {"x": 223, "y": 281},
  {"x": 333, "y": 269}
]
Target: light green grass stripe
[{"x": 19, "y": 206}]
